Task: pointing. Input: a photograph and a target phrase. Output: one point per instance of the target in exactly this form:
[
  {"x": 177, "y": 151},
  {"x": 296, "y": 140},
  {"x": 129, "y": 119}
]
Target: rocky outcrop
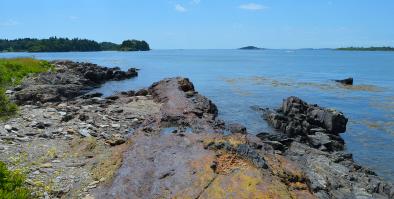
[
  {"x": 182, "y": 152},
  {"x": 347, "y": 81},
  {"x": 309, "y": 136},
  {"x": 67, "y": 81},
  {"x": 320, "y": 127}
]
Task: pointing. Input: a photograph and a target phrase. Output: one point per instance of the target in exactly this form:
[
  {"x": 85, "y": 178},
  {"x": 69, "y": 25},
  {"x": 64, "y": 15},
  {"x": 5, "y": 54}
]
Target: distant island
[
  {"x": 367, "y": 49},
  {"x": 55, "y": 44},
  {"x": 251, "y": 48}
]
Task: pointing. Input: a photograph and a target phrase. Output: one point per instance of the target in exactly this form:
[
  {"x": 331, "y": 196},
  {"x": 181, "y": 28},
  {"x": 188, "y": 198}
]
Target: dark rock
[
  {"x": 186, "y": 85},
  {"x": 83, "y": 117},
  {"x": 347, "y": 81},
  {"x": 308, "y": 123},
  {"x": 142, "y": 92},
  {"x": 71, "y": 79},
  {"x": 41, "y": 125},
  {"x": 236, "y": 128},
  {"x": 67, "y": 117},
  {"x": 91, "y": 95},
  {"x": 113, "y": 97},
  {"x": 128, "y": 93},
  {"x": 251, "y": 154}
]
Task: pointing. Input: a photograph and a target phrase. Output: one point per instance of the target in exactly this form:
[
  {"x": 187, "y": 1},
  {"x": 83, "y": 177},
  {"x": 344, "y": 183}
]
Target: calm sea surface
[{"x": 236, "y": 80}]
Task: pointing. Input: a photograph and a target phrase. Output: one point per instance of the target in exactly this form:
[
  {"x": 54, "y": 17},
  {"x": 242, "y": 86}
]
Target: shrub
[
  {"x": 7, "y": 108},
  {"x": 12, "y": 184}
]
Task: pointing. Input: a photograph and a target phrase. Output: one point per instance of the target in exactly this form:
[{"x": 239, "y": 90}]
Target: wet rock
[{"x": 347, "y": 81}]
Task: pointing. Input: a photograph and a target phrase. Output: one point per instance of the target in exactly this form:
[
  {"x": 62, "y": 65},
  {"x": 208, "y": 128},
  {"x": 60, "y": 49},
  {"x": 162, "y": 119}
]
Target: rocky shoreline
[{"x": 166, "y": 141}]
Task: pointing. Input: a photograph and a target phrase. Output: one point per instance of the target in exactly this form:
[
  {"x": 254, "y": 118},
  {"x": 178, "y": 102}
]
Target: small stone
[
  {"x": 70, "y": 131},
  {"x": 51, "y": 110},
  {"x": 36, "y": 172},
  {"x": 83, "y": 117},
  {"x": 31, "y": 133},
  {"x": 9, "y": 92},
  {"x": 62, "y": 113},
  {"x": 7, "y": 127},
  {"x": 116, "y": 126},
  {"x": 46, "y": 165},
  {"x": 56, "y": 161},
  {"x": 1, "y": 148},
  {"x": 84, "y": 132},
  {"x": 117, "y": 139},
  {"x": 41, "y": 125},
  {"x": 47, "y": 135},
  {"x": 94, "y": 183}
]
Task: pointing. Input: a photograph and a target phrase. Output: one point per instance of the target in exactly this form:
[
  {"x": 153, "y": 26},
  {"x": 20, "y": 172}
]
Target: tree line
[
  {"x": 55, "y": 44},
  {"x": 384, "y": 48}
]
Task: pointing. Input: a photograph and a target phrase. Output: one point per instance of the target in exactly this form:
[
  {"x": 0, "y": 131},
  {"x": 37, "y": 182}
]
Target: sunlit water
[{"x": 236, "y": 80}]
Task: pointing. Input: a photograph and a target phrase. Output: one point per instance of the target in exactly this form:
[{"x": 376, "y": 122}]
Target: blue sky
[{"x": 205, "y": 24}]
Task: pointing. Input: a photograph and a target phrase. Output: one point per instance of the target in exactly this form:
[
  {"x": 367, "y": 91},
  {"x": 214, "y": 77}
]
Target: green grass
[
  {"x": 12, "y": 184},
  {"x": 12, "y": 72}
]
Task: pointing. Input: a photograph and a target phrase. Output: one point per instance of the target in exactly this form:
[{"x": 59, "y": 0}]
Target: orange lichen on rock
[
  {"x": 233, "y": 140},
  {"x": 226, "y": 163},
  {"x": 245, "y": 183}
]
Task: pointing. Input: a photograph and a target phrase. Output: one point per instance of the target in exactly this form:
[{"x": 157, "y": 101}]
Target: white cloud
[
  {"x": 180, "y": 8},
  {"x": 9, "y": 22},
  {"x": 252, "y": 6}
]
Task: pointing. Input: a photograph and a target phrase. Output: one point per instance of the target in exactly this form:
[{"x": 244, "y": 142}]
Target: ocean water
[{"x": 235, "y": 80}]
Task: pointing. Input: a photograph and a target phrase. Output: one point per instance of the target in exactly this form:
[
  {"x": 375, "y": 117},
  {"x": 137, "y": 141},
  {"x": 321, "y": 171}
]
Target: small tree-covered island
[
  {"x": 251, "y": 48},
  {"x": 55, "y": 44}
]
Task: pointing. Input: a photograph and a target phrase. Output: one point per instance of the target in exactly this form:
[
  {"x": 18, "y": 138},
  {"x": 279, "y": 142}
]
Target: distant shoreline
[
  {"x": 54, "y": 44},
  {"x": 366, "y": 49}
]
